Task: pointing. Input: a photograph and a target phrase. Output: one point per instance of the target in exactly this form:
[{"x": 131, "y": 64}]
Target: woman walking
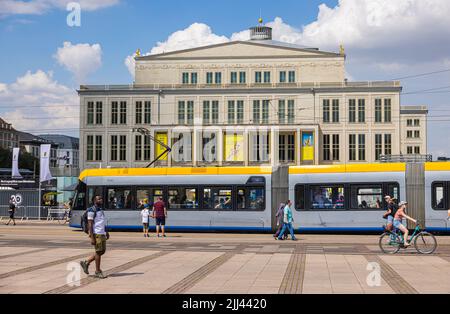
[{"x": 279, "y": 216}]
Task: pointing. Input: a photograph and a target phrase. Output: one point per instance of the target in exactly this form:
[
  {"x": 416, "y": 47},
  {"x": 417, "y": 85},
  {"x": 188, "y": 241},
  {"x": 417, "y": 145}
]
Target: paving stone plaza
[{"x": 42, "y": 258}]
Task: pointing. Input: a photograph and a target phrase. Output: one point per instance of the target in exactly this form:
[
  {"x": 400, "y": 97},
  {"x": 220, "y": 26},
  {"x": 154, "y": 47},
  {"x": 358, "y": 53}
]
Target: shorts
[
  {"x": 145, "y": 224},
  {"x": 100, "y": 244},
  {"x": 11, "y": 216},
  {"x": 390, "y": 220},
  {"x": 397, "y": 223},
  {"x": 161, "y": 221}
]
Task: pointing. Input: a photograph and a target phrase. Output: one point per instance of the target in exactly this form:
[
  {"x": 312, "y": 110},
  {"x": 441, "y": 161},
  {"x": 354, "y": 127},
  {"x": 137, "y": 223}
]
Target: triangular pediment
[{"x": 242, "y": 49}]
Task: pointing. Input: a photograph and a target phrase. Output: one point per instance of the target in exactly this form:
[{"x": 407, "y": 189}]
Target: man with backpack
[
  {"x": 391, "y": 209},
  {"x": 12, "y": 211},
  {"x": 94, "y": 223}
]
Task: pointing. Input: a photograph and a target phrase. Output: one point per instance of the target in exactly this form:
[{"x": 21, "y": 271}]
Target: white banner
[
  {"x": 15, "y": 164},
  {"x": 45, "y": 174}
]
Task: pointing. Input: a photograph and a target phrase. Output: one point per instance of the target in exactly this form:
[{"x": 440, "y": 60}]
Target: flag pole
[{"x": 40, "y": 200}]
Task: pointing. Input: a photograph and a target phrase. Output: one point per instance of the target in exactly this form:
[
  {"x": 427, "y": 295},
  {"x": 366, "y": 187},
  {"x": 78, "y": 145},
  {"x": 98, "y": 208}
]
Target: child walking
[{"x": 145, "y": 214}]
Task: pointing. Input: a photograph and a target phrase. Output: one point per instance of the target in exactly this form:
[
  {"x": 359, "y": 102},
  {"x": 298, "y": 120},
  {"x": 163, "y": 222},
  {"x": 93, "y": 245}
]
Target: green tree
[{"x": 26, "y": 160}]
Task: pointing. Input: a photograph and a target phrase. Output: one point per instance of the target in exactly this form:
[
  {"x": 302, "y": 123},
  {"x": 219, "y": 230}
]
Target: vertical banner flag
[
  {"x": 234, "y": 147},
  {"x": 307, "y": 146},
  {"x": 162, "y": 137},
  {"x": 45, "y": 174},
  {"x": 15, "y": 164}
]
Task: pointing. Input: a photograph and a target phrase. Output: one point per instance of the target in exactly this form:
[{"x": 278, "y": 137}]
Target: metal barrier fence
[{"x": 32, "y": 212}]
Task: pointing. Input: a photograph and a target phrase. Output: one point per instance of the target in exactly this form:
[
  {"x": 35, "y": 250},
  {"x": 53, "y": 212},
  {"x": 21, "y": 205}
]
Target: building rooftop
[
  {"x": 63, "y": 141},
  {"x": 30, "y": 138}
]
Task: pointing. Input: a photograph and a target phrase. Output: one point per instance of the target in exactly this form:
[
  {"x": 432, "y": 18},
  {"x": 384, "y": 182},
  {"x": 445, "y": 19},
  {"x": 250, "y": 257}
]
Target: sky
[{"x": 43, "y": 60}]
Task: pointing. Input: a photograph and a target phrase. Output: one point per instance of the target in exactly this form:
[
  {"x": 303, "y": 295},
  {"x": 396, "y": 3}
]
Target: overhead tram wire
[{"x": 420, "y": 75}]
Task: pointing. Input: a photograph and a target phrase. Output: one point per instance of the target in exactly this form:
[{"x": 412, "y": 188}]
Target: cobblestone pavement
[{"x": 43, "y": 258}]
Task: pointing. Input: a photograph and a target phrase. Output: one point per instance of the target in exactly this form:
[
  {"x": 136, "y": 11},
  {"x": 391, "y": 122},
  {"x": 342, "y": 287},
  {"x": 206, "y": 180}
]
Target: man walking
[
  {"x": 98, "y": 235},
  {"x": 287, "y": 220},
  {"x": 11, "y": 211},
  {"x": 160, "y": 214}
]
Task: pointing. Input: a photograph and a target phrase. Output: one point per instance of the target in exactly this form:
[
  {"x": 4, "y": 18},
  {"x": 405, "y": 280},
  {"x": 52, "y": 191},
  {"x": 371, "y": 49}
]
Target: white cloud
[
  {"x": 80, "y": 59},
  {"x": 38, "y": 95},
  {"x": 38, "y": 7}
]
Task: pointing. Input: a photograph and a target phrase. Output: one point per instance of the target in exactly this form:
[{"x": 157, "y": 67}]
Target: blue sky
[{"x": 383, "y": 40}]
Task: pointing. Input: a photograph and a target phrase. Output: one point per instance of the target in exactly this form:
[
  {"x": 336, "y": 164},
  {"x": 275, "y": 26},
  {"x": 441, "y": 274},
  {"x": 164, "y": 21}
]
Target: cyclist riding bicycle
[
  {"x": 398, "y": 218},
  {"x": 391, "y": 209}
]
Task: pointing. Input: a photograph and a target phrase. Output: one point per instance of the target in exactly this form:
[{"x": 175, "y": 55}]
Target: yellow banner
[
  {"x": 234, "y": 147},
  {"x": 162, "y": 137},
  {"x": 307, "y": 147}
]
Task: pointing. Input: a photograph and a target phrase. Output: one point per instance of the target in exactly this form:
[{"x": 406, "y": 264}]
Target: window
[
  {"x": 417, "y": 134},
  {"x": 258, "y": 77},
  {"x": 283, "y": 77},
  {"x": 367, "y": 197},
  {"x": 90, "y": 113},
  {"x": 256, "y": 111},
  {"x": 209, "y": 145},
  {"x": 409, "y": 150},
  {"x": 260, "y": 148},
  {"x": 387, "y": 111},
  {"x": 218, "y": 198},
  {"x": 438, "y": 196},
  {"x": 147, "y": 196},
  {"x": 409, "y": 122},
  {"x": 416, "y": 122},
  {"x": 417, "y": 150},
  {"x": 185, "y": 78},
  {"x": 286, "y": 152},
  {"x": 123, "y": 112},
  {"x": 142, "y": 148},
  {"x": 336, "y": 147},
  {"x": 327, "y": 197},
  {"x": 378, "y": 112},
  {"x": 138, "y": 112},
  {"x": 218, "y": 77},
  {"x": 206, "y": 112},
  {"x": 352, "y": 147},
  {"x": 251, "y": 199},
  {"x": 335, "y": 110},
  {"x": 147, "y": 112},
  {"x": 114, "y": 112},
  {"x": 361, "y": 147},
  {"x": 183, "y": 198},
  {"x": 123, "y": 148},
  {"x": 194, "y": 78},
  {"x": 265, "y": 111},
  {"x": 210, "y": 112},
  {"x": 98, "y": 147},
  {"x": 240, "y": 112},
  {"x": 114, "y": 146},
  {"x": 388, "y": 144},
  {"x": 93, "y": 192},
  {"x": 291, "y": 111},
  {"x": 215, "y": 112},
  {"x": 233, "y": 79},
  {"x": 352, "y": 111},
  {"x": 326, "y": 147},
  {"x": 90, "y": 148},
  {"x": 378, "y": 146},
  {"x": 181, "y": 147},
  {"x": 186, "y": 112},
  {"x": 282, "y": 113},
  {"x": 326, "y": 111},
  {"x": 242, "y": 77},
  {"x": 291, "y": 76},
  {"x": 409, "y": 134},
  {"x": 266, "y": 77},
  {"x": 361, "y": 110},
  {"x": 299, "y": 197},
  {"x": 209, "y": 78},
  {"x": 119, "y": 198},
  {"x": 231, "y": 112}
]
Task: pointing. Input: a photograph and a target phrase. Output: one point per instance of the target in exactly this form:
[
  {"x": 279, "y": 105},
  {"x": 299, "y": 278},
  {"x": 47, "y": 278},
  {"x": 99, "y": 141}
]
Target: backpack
[{"x": 84, "y": 219}]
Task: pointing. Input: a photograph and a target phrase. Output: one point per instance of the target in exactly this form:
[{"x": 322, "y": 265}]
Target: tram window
[
  {"x": 256, "y": 199},
  {"x": 119, "y": 198},
  {"x": 92, "y": 192},
  {"x": 80, "y": 198},
  {"x": 393, "y": 191},
  {"x": 438, "y": 196},
  {"x": 241, "y": 199},
  {"x": 183, "y": 198},
  {"x": 367, "y": 197},
  {"x": 300, "y": 197},
  {"x": 327, "y": 197},
  {"x": 218, "y": 198},
  {"x": 147, "y": 196}
]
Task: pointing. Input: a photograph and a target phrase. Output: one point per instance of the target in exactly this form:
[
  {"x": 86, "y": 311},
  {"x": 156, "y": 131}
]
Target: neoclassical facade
[{"x": 256, "y": 102}]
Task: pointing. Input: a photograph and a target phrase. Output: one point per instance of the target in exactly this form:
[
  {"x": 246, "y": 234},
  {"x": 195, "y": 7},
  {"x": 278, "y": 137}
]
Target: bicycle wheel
[
  {"x": 389, "y": 243},
  {"x": 425, "y": 243}
]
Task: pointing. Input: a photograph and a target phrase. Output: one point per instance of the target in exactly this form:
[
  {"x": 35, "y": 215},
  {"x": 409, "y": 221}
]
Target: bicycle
[
  {"x": 65, "y": 218},
  {"x": 392, "y": 241}
]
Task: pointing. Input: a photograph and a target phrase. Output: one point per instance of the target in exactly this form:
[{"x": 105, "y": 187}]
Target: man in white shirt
[{"x": 98, "y": 235}]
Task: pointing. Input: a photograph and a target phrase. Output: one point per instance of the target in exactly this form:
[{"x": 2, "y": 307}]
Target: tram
[{"x": 335, "y": 198}]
